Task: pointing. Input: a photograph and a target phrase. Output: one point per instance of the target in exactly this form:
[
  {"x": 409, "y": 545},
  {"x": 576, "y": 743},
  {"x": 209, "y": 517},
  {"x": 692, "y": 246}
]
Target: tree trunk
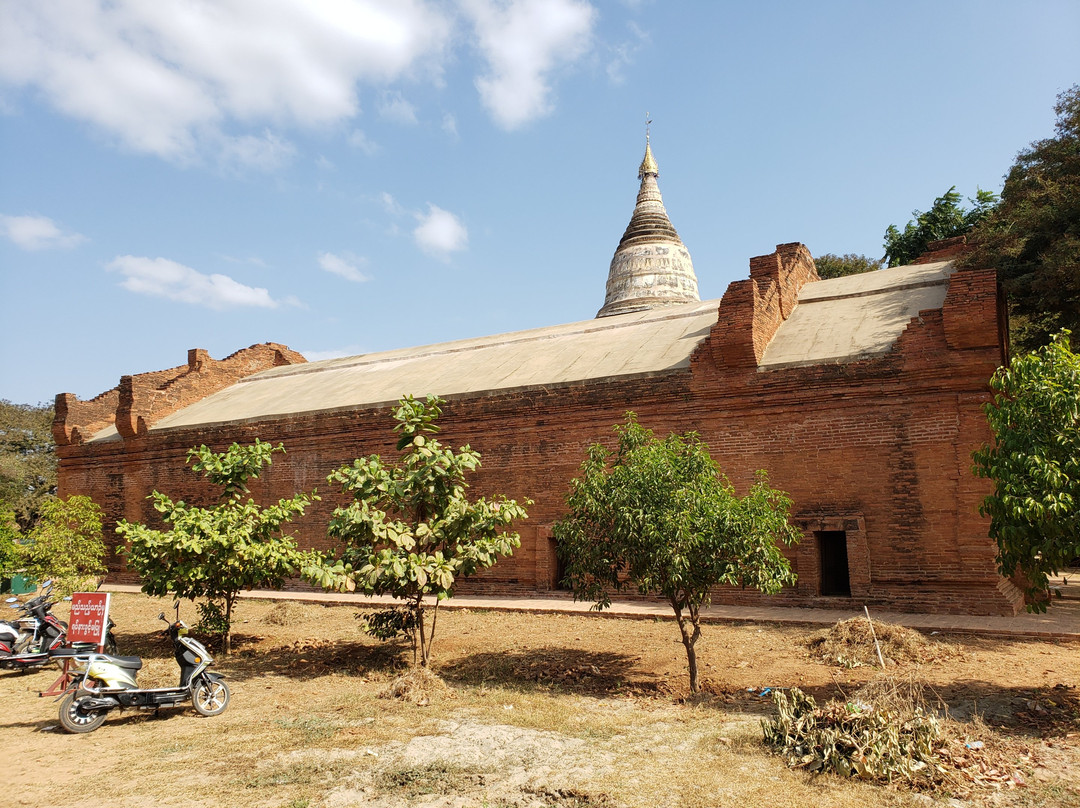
[
  {"x": 689, "y": 638},
  {"x": 420, "y": 626},
  {"x": 226, "y": 640},
  {"x": 434, "y": 620}
]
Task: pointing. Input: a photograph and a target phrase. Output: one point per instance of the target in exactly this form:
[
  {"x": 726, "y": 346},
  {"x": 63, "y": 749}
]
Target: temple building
[{"x": 861, "y": 396}]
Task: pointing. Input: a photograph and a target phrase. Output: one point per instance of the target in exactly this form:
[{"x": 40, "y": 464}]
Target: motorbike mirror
[
  {"x": 47, "y": 584},
  {"x": 162, "y": 617},
  {"x": 11, "y": 600}
]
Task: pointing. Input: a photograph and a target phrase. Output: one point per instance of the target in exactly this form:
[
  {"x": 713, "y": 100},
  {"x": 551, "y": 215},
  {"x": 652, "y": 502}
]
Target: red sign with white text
[{"x": 89, "y": 617}]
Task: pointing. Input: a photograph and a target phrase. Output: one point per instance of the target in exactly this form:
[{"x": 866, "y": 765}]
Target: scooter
[
  {"x": 35, "y": 635},
  {"x": 104, "y": 683},
  {"x": 34, "y": 640}
]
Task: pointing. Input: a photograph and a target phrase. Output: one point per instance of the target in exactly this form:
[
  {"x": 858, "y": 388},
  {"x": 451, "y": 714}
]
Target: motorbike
[
  {"x": 33, "y": 640},
  {"x": 103, "y": 682},
  {"x": 36, "y": 634}
]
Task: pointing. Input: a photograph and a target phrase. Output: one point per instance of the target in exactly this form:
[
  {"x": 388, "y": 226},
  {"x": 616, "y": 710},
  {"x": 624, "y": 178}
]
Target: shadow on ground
[{"x": 570, "y": 670}]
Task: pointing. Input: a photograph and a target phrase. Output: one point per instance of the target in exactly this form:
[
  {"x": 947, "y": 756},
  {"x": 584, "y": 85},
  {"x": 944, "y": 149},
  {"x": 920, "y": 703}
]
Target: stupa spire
[
  {"x": 651, "y": 266},
  {"x": 648, "y": 164}
]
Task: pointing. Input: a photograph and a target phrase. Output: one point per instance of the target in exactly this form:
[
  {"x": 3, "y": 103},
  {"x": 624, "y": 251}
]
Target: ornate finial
[
  {"x": 651, "y": 266},
  {"x": 648, "y": 164}
]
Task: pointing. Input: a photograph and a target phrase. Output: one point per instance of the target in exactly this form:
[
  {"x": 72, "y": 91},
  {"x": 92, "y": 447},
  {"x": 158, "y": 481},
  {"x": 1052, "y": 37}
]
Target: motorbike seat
[{"x": 131, "y": 663}]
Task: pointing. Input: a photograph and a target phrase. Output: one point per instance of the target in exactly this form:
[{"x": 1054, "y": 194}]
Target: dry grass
[
  {"x": 285, "y": 613},
  {"x": 417, "y": 685},
  {"x": 557, "y": 710},
  {"x": 850, "y": 644}
]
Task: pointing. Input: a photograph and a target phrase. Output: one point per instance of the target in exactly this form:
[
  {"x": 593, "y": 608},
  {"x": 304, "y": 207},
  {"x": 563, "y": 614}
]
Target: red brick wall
[{"x": 879, "y": 448}]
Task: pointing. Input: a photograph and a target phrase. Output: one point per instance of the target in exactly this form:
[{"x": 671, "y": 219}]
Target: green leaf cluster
[
  {"x": 830, "y": 265},
  {"x": 217, "y": 552},
  {"x": 1034, "y": 462},
  {"x": 1033, "y": 237},
  {"x": 27, "y": 460},
  {"x": 945, "y": 219},
  {"x": 411, "y": 531},
  {"x": 390, "y": 624},
  {"x": 11, "y": 557},
  {"x": 66, "y": 544},
  {"x": 658, "y": 516}
]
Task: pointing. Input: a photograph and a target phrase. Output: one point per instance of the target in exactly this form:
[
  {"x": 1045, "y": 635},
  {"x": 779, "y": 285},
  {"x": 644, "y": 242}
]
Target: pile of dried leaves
[
  {"x": 888, "y": 732},
  {"x": 966, "y": 764},
  {"x": 1053, "y": 711},
  {"x": 850, "y": 644},
  {"x": 284, "y": 613},
  {"x": 419, "y": 686},
  {"x": 884, "y": 734}
]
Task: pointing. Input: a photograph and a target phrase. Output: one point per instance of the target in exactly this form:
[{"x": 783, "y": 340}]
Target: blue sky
[{"x": 345, "y": 176}]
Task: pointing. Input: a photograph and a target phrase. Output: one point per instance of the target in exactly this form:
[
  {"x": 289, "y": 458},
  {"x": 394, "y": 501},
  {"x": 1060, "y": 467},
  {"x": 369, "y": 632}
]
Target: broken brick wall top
[{"x": 139, "y": 401}]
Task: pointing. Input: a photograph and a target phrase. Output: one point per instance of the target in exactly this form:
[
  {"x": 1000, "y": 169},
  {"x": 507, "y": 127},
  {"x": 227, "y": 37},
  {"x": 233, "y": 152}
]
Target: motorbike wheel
[
  {"x": 75, "y": 719},
  {"x": 211, "y": 697}
]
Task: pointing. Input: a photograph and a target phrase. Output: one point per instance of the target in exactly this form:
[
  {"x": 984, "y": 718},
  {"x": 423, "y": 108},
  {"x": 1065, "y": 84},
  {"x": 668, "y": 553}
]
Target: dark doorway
[
  {"x": 560, "y": 568},
  {"x": 832, "y": 549}
]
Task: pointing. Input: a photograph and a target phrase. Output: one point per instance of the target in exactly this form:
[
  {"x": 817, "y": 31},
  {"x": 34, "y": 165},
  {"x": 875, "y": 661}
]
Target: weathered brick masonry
[{"x": 875, "y": 451}]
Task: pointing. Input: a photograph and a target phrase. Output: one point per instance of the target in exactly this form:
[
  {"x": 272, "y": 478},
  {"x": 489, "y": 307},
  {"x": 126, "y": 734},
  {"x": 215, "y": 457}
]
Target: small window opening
[{"x": 832, "y": 549}]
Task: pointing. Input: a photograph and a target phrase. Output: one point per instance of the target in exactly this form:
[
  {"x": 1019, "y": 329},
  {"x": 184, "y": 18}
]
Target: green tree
[
  {"x": 945, "y": 219},
  {"x": 658, "y": 515},
  {"x": 27, "y": 460},
  {"x": 1033, "y": 237},
  {"x": 1034, "y": 463},
  {"x": 838, "y": 266},
  {"x": 411, "y": 531},
  {"x": 216, "y": 552},
  {"x": 66, "y": 544},
  {"x": 11, "y": 555}
]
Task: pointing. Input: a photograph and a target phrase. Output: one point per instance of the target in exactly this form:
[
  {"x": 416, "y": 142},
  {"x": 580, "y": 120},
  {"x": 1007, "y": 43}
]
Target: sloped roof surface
[
  {"x": 839, "y": 320},
  {"x": 857, "y": 317},
  {"x": 641, "y": 343}
]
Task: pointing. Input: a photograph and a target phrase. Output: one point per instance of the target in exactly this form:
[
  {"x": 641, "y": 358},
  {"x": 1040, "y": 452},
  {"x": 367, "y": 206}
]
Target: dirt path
[{"x": 555, "y": 710}]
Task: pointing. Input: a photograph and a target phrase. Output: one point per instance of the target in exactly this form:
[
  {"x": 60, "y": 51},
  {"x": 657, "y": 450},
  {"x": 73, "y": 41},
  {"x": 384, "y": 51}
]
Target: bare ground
[{"x": 566, "y": 711}]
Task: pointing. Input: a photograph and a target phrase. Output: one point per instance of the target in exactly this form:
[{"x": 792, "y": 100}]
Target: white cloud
[
  {"x": 449, "y": 125},
  {"x": 37, "y": 233},
  {"x": 624, "y": 53},
  {"x": 265, "y": 153},
  {"x": 394, "y": 108},
  {"x": 345, "y": 266},
  {"x": 160, "y": 277},
  {"x": 440, "y": 232},
  {"x": 362, "y": 142},
  {"x": 524, "y": 42},
  {"x": 390, "y": 205},
  {"x": 168, "y": 77}
]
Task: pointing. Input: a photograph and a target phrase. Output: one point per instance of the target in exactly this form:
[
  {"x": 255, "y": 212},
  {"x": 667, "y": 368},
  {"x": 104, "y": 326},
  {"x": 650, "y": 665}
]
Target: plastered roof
[
  {"x": 835, "y": 321},
  {"x": 856, "y": 317},
  {"x": 642, "y": 343}
]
